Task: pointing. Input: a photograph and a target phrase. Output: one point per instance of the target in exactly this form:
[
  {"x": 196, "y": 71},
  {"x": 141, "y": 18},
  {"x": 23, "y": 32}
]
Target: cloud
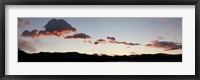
[
  {"x": 23, "y": 24},
  {"x": 172, "y": 28},
  {"x": 160, "y": 38},
  {"x": 20, "y": 26},
  {"x": 20, "y": 23},
  {"x": 59, "y": 27},
  {"x": 20, "y": 20},
  {"x": 88, "y": 41},
  {"x": 78, "y": 36},
  {"x": 129, "y": 44},
  {"x": 27, "y": 23},
  {"x": 26, "y": 45},
  {"x": 44, "y": 33},
  {"x": 114, "y": 41},
  {"x": 100, "y": 41},
  {"x": 33, "y": 33},
  {"x": 111, "y": 39},
  {"x": 167, "y": 46},
  {"x": 54, "y": 27}
]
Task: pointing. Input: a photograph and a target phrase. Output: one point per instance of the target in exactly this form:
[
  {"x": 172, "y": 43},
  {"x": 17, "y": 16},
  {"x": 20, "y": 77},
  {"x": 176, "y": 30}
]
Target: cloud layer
[
  {"x": 167, "y": 46},
  {"x": 114, "y": 41},
  {"x": 61, "y": 28},
  {"x": 78, "y": 36},
  {"x": 100, "y": 41}
]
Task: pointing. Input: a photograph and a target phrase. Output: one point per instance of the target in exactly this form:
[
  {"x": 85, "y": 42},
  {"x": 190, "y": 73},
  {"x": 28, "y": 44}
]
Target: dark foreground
[{"x": 77, "y": 57}]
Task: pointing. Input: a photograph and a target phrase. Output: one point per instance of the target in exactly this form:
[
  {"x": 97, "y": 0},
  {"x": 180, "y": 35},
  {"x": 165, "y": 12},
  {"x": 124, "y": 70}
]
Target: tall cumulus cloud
[{"x": 54, "y": 27}]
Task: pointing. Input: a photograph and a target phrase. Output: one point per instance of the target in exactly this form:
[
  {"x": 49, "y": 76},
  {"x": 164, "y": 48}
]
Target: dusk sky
[{"x": 102, "y": 35}]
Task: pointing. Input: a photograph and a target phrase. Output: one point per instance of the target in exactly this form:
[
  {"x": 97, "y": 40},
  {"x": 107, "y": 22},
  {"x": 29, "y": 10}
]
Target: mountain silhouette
[{"x": 78, "y": 57}]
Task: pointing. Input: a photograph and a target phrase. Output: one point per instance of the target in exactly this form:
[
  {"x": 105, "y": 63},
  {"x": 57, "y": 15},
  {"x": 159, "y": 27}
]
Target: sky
[{"x": 101, "y": 35}]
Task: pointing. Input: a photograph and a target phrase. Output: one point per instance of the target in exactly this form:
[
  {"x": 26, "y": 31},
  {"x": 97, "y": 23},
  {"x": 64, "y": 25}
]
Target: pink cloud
[{"x": 167, "y": 46}]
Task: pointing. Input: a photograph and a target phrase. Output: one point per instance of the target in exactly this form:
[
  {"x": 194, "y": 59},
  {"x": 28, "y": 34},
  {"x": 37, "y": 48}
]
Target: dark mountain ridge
[{"x": 78, "y": 57}]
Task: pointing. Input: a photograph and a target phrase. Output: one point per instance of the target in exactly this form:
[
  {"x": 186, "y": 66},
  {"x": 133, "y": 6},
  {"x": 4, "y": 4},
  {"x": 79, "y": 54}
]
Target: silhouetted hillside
[{"x": 77, "y": 57}]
